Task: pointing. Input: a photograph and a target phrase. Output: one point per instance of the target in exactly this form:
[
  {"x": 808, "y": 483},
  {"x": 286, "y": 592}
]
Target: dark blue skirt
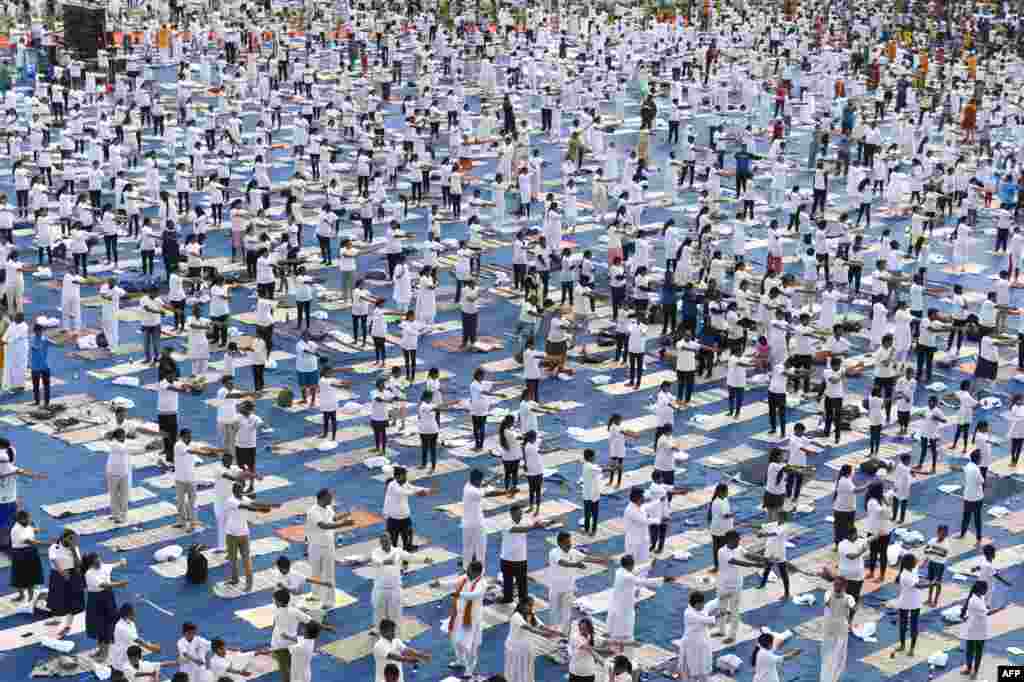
[
  {"x": 67, "y": 595},
  {"x": 26, "y": 568},
  {"x": 101, "y": 616}
]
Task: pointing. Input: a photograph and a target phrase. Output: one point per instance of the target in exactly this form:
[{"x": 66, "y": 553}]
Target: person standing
[
  {"x": 16, "y": 354},
  {"x": 397, "y": 515},
  {"x": 236, "y": 526},
  {"x": 839, "y": 609},
  {"x": 66, "y": 597},
  {"x": 101, "y": 614},
  {"x": 390, "y": 652},
  {"x": 465, "y": 621},
  {"x": 694, "y": 662},
  {"x": 26, "y": 567},
  {"x": 563, "y": 562},
  {"x": 389, "y": 562},
  {"x": 119, "y": 476},
  {"x": 185, "y": 481},
  {"x": 976, "y": 628},
  {"x": 245, "y": 451},
  {"x": 730, "y": 587},
  {"x": 39, "y": 348},
  {"x": 474, "y": 536},
  {"x": 322, "y": 521},
  {"x": 622, "y": 607},
  {"x": 974, "y": 496}
]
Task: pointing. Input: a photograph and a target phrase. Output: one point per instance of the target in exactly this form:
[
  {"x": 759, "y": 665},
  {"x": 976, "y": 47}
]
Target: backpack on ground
[{"x": 198, "y": 567}]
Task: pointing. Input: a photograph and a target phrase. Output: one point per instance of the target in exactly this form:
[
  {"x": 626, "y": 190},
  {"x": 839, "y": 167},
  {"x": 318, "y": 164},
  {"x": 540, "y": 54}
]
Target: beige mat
[
  {"x": 508, "y": 364},
  {"x": 86, "y": 435},
  {"x": 444, "y": 466},
  {"x": 69, "y": 401},
  {"x": 294, "y": 447},
  {"x": 360, "y": 645},
  {"x": 426, "y": 593},
  {"x": 342, "y": 460},
  {"x": 812, "y": 629},
  {"x": 94, "y": 503},
  {"x": 599, "y": 433},
  {"x": 733, "y": 456},
  {"x": 598, "y": 602},
  {"x": 208, "y": 496},
  {"x": 270, "y": 544},
  {"x": 542, "y": 576},
  {"x": 717, "y": 421},
  {"x": 262, "y": 617},
  {"x": 649, "y": 381},
  {"x": 137, "y": 516},
  {"x": 288, "y": 510},
  {"x": 437, "y": 555},
  {"x": 154, "y": 536},
  {"x": 362, "y": 549},
  {"x": 928, "y": 643},
  {"x": 31, "y": 634},
  {"x": 548, "y": 511},
  {"x": 989, "y": 668}
]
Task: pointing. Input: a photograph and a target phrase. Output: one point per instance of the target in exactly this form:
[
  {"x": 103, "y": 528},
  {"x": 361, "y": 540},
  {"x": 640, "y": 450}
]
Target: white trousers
[
  {"x": 387, "y": 604},
  {"x": 322, "y": 566},
  {"x": 474, "y": 545}
]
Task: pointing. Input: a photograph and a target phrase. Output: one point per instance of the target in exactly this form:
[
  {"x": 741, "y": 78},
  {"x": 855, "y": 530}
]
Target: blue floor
[{"x": 75, "y": 472}]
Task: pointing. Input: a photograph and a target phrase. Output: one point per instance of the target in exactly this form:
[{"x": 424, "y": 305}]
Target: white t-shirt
[
  {"x": 381, "y": 651},
  {"x": 729, "y": 578},
  {"x": 851, "y": 569},
  {"x": 389, "y": 576},
  {"x": 560, "y": 578},
  {"x": 236, "y": 522}
]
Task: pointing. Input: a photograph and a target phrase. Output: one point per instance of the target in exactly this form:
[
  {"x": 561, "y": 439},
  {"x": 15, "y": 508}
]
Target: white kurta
[
  {"x": 695, "y": 646},
  {"x": 622, "y": 607},
  {"x": 71, "y": 303},
  {"x": 836, "y": 636},
  {"x": 16, "y": 356}
]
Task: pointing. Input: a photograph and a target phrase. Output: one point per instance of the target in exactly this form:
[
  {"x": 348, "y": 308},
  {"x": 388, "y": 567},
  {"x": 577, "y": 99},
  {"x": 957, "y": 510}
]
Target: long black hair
[
  {"x": 978, "y": 589},
  {"x": 766, "y": 641},
  {"x": 876, "y": 491},
  {"x": 721, "y": 491}
]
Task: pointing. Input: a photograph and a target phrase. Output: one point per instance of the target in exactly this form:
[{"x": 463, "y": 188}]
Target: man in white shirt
[
  {"x": 474, "y": 537},
  {"x": 227, "y": 413},
  {"x": 236, "y": 527},
  {"x": 974, "y": 496},
  {"x": 167, "y": 413},
  {"x": 730, "y": 585},
  {"x": 321, "y": 523},
  {"x": 248, "y": 427},
  {"x": 193, "y": 652},
  {"x": 185, "y": 481},
  {"x": 152, "y": 310},
  {"x": 389, "y": 649},
  {"x": 301, "y": 653},
  {"x": 563, "y": 562}
]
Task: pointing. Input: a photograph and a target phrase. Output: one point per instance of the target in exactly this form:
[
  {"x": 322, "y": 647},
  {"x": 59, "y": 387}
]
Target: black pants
[
  {"x": 972, "y": 654},
  {"x": 1015, "y": 447},
  {"x": 428, "y": 449},
  {"x": 783, "y": 572},
  {"x": 410, "y": 363},
  {"x": 513, "y": 579},
  {"x": 909, "y": 617},
  {"x": 168, "y": 424},
  {"x": 330, "y": 422},
  {"x": 658, "y": 533},
  {"x": 717, "y": 542},
  {"x": 303, "y": 308},
  {"x": 379, "y": 348},
  {"x": 929, "y": 443},
  {"x": 899, "y": 509},
  {"x": 325, "y": 249},
  {"x": 777, "y": 411},
  {"x": 110, "y": 241},
  {"x": 479, "y": 431},
  {"x": 684, "y": 384},
  {"x": 636, "y": 368},
  {"x": 257, "y": 377},
  {"x": 842, "y": 522},
  {"x": 794, "y": 483},
  {"x": 875, "y": 439},
  {"x": 964, "y": 429},
  {"x": 380, "y": 434},
  {"x": 833, "y": 411},
  {"x": 971, "y": 509},
  {"x": 878, "y": 552},
  {"x": 400, "y": 528},
  {"x": 469, "y": 328},
  {"x": 591, "y": 509},
  {"x": 359, "y": 326},
  {"x": 735, "y": 400},
  {"x": 535, "y": 483},
  {"x": 511, "y": 467},
  {"x": 267, "y": 334},
  {"x": 43, "y": 376}
]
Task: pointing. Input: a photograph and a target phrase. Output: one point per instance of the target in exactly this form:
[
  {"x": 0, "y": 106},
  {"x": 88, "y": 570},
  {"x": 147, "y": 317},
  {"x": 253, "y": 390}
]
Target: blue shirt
[
  {"x": 38, "y": 348},
  {"x": 1008, "y": 192}
]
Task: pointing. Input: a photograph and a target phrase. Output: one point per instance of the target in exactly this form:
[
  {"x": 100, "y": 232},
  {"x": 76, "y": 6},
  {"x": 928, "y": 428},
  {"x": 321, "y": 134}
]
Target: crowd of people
[{"x": 231, "y": 130}]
